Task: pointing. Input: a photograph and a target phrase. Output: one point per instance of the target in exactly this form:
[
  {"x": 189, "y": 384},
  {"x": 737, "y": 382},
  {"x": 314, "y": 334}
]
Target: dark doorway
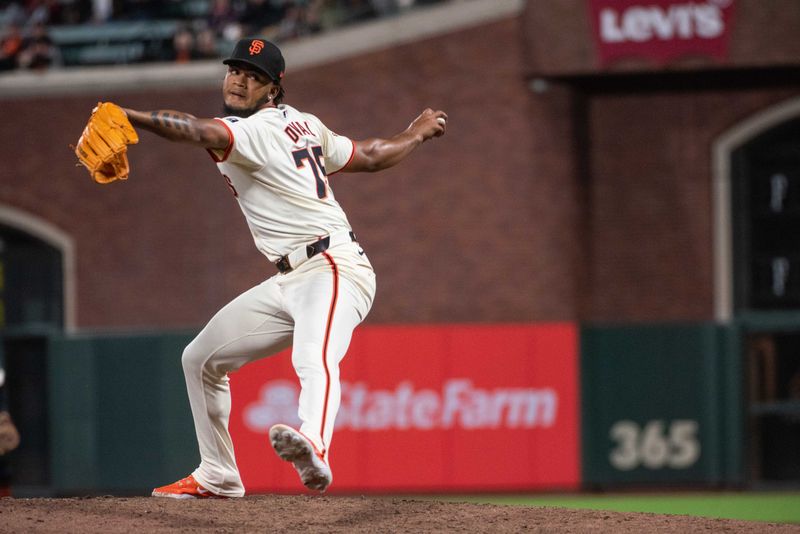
[
  {"x": 766, "y": 245},
  {"x": 766, "y": 211},
  {"x": 31, "y": 308}
]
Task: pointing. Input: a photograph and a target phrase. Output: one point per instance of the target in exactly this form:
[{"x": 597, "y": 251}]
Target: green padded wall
[
  {"x": 662, "y": 404},
  {"x": 119, "y": 414}
]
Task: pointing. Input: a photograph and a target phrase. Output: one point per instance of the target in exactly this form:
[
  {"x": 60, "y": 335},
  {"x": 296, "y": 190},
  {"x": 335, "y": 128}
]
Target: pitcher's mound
[{"x": 305, "y": 514}]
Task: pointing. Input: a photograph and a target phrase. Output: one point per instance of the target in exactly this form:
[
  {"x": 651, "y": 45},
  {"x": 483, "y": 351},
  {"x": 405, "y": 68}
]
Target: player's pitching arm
[
  {"x": 182, "y": 127},
  {"x": 376, "y": 154}
]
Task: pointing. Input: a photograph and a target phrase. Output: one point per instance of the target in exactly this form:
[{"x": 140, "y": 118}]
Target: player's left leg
[{"x": 251, "y": 326}]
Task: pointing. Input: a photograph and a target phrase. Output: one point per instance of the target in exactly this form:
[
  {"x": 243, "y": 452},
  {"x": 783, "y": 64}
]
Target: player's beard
[{"x": 244, "y": 112}]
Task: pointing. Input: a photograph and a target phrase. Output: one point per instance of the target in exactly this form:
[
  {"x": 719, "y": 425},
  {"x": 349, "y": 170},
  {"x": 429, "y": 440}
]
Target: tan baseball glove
[
  {"x": 9, "y": 437},
  {"x": 103, "y": 145}
]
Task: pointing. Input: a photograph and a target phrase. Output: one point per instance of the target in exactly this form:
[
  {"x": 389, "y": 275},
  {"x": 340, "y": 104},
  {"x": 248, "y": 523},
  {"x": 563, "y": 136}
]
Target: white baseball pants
[{"x": 313, "y": 309}]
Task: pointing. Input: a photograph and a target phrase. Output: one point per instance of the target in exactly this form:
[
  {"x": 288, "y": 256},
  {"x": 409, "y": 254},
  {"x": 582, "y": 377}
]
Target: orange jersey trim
[
  {"x": 228, "y": 149},
  {"x": 352, "y": 155}
]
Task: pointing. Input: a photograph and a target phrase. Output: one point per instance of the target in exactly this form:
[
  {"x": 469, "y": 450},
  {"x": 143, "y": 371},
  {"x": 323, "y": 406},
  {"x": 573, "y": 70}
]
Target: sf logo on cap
[{"x": 256, "y": 46}]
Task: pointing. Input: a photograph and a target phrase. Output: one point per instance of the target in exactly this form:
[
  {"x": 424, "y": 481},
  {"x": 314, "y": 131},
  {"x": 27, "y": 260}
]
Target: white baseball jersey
[{"x": 277, "y": 165}]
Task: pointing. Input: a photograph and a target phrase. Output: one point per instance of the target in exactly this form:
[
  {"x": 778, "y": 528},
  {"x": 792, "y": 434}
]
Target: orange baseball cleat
[{"x": 185, "y": 488}]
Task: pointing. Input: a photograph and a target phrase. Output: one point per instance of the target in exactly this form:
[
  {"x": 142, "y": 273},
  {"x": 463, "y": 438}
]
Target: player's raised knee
[{"x": 193, "y": 359}]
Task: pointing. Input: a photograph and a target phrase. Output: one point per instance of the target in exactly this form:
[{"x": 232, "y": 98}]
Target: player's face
[{"x": 245, "y": 90}]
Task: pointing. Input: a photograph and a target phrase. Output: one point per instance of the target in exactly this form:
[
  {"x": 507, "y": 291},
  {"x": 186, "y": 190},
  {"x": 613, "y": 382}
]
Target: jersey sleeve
[
  {"x": 248, "y": 142},
  {"x": 337, "y": 150}
]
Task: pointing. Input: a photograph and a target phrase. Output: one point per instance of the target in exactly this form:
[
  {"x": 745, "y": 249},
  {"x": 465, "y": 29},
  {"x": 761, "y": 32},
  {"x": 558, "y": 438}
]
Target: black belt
[{"x": 283, "y": 264}]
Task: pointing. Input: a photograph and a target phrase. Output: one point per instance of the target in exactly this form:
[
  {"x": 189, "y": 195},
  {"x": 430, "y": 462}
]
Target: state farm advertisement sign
[
  {"x": 427, "y": 408},
  {"x": 661, "y": 30}
]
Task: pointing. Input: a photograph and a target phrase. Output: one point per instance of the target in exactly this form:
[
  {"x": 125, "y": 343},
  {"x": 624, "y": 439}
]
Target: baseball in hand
[{"x": 441, "y": 120}]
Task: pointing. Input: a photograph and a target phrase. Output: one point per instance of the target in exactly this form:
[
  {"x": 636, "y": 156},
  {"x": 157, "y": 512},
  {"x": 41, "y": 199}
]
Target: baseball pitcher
[{"x": 276, "y": 161}]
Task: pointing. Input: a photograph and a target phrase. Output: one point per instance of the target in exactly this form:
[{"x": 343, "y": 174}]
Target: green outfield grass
[{"x": 780, "y": 507}]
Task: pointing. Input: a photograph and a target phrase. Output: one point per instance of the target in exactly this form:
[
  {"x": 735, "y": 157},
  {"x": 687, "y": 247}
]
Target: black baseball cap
[{"x": 260, "y": 54}]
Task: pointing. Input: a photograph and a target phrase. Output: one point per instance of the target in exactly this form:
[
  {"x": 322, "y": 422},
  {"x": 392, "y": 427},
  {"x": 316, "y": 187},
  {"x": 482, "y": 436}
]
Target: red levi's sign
[
  {"x": 428, "y": 408},
  {"x": 661, "y": 30}
]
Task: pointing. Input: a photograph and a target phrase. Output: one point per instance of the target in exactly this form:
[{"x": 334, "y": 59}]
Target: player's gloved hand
[{"x": 103, "y": 145}]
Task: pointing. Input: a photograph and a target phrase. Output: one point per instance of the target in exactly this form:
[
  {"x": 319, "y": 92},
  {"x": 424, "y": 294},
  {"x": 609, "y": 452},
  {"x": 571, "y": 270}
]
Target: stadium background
[{"x": 608, "y": 229}]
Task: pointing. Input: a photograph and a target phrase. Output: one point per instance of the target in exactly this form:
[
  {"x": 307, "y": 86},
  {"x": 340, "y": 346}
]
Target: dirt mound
[{"x": 279, "y": 513}]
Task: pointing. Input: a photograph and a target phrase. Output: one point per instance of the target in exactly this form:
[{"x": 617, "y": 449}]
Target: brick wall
[
  {"x": 649, "y": 213},
  {"x": 558, "y": 38},
  {"x": 556, "y": 205},
  {"x": 473, "y": 227}
]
